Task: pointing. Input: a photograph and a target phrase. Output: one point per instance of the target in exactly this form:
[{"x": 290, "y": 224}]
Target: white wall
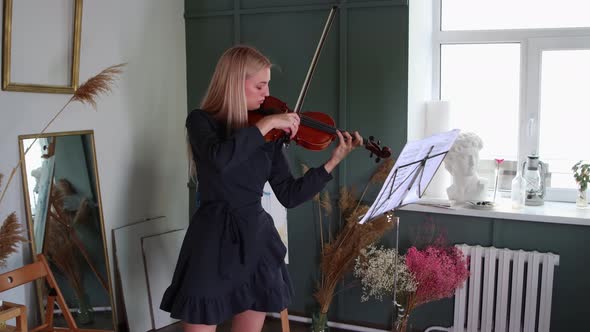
[{"x": 139, "y": 127}]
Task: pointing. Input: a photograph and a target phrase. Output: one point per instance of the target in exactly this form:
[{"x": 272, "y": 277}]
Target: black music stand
[{"x": 407, "y": 181}]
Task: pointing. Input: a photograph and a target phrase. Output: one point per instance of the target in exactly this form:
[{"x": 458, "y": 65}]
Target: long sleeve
[
  {"x": 290, "y": 191},
  {"x": 222, "y": 153}
]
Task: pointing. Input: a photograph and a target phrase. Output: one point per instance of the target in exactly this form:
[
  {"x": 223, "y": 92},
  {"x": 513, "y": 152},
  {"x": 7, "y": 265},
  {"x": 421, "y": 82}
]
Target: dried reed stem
[
  {"x": 326, "y": 204},
  {"x": 378, "y": 177},
  {"x": 87, "y": 93},
  {"x": 59, "y": 247},
  {"x": 362, "y": 196}
]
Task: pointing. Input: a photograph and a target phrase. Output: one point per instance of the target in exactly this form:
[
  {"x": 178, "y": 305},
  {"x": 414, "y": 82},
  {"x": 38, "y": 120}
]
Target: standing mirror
[{"x": 64, "y": 213}]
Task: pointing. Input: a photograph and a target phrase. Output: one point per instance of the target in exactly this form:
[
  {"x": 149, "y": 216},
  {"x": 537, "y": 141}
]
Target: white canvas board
[
  {"x": 278, "y": 212},
  {"x": 160, "y": 253},
  {"x": 132, "y": 270}
]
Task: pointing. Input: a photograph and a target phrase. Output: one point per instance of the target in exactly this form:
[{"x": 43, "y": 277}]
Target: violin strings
[
  {"x": 311, "y": 122},
  {"x": 317, "y": 124}
]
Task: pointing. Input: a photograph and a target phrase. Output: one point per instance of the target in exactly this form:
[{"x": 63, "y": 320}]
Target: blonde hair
[{"x": 225, "y": 97}]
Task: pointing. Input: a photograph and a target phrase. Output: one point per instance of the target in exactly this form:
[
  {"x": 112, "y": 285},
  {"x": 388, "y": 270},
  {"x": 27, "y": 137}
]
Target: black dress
[{"x": 232, "y": 257}]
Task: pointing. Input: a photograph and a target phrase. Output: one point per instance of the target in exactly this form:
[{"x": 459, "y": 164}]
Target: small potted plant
[{"x": 582, "y": 176}]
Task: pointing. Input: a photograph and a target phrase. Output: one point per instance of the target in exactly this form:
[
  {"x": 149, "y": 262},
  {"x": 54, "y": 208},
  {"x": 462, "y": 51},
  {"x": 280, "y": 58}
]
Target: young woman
[{"x": 231, "y": 264}]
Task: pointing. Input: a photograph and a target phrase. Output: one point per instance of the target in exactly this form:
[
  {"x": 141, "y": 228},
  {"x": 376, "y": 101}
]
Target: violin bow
[
  {"x": 314, "y": 61},
  {"x": 312, "y": 66}
]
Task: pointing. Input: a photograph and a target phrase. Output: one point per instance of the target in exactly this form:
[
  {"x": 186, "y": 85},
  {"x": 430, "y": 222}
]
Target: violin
[{"x": 316, "y": 129}]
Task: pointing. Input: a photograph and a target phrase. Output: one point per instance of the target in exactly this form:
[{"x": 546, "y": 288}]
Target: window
[
  {"x": 517, "y": 74},
  {"x": 510, "y": 14}
]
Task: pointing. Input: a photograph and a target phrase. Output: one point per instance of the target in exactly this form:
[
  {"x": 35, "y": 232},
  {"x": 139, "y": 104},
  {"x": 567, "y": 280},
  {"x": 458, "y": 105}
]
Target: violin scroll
[{"x": 377, "y": 150}]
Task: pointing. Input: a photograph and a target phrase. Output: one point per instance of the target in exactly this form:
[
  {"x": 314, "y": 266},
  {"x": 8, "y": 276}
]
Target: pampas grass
[
  {"x": 59, "y": 246},
  {"x": 102, "y": 83},
  {"x": 338, "y": 255},
  {"x": 378, "y": 176},
  {"x": 382, "y": 171},
  {"x": 10, "y": 237},
  {"x": 326, "y": 206},
  {"x": 61, "y": 251},
  {"x": 346, "y": 202}
]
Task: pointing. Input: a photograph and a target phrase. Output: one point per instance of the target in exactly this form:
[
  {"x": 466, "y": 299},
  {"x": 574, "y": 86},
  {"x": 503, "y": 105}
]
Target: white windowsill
[{"x": 550, "y": 212}]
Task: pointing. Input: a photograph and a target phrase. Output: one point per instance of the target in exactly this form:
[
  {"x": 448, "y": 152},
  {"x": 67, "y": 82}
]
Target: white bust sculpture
[{"x": 461, "y": 162}]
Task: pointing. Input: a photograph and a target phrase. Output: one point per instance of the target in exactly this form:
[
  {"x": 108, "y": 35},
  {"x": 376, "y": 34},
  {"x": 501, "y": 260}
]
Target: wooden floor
[{"x": 270, "y": 325}]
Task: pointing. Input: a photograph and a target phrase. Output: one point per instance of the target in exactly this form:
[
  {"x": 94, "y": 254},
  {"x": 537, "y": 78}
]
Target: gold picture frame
[{"x": 7, "y": 85}]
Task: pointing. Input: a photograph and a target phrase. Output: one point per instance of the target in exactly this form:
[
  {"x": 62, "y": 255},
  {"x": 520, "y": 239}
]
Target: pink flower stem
[{"x": 496, "y": 185}]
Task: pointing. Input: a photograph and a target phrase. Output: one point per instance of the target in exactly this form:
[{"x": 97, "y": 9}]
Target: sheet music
[{"x": 398, "y": 189}]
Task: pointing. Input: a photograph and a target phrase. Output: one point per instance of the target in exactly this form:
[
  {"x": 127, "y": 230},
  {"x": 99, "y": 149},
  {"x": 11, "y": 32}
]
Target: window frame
[{"x": 532, "y": 43}]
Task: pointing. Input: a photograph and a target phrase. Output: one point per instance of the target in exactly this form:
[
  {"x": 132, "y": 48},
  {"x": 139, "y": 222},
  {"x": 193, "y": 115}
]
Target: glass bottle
[{"x": 518, "y": 190}]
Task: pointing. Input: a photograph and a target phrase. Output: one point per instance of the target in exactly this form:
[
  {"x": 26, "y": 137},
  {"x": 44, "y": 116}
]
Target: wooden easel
[{"x": 40, "y": 270}]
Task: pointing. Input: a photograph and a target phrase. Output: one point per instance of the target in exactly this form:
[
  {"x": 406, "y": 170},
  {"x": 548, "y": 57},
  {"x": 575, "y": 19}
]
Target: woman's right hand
[{"x": 289, "y": 122}]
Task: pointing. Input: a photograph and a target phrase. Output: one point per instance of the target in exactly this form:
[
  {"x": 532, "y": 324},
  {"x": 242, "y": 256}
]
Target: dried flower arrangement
[
  {"x": 10, "y": 235},
  {"x": 375, "y": 267},
  {"x": 87, "y": 93},
  {"x": 339, "y": 250},
  {"x": 63, "y": 248},
  {"x": 423, "y": 275}
]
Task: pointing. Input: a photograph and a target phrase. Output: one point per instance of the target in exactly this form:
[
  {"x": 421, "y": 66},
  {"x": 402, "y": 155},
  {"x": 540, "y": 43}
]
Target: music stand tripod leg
[{"x": 398, "y": 309}]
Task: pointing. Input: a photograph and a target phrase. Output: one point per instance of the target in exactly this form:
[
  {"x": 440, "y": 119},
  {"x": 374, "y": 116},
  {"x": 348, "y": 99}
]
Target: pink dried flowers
[
  {"x": 438, "y": 272},
  {"x": 423, "y": 275}
]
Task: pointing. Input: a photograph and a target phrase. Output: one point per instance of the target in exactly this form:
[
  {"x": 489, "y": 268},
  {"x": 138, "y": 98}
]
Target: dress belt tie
[
  {"x": 232, "y": 249},
  {"x": 232, "y": 243}
]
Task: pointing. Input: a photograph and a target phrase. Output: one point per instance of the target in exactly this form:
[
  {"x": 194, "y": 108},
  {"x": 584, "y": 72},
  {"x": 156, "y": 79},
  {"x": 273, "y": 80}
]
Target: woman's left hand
[{"x": 346, "y": 144}]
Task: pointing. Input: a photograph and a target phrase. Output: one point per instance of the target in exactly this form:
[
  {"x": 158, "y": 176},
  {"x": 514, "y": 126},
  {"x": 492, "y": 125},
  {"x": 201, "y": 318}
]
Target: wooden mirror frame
[{"x": 24, "y": 172}]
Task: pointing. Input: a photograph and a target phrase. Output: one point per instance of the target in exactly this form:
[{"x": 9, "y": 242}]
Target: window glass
[
  {"x": 564, "y": 112},
  {"x": 511, "y": 14},
  {"x": 481, "y": 82}
]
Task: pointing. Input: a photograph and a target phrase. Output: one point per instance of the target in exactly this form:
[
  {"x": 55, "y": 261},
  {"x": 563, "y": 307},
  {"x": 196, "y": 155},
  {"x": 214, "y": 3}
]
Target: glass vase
[
  {"x": 319, "y": 322},
  {"x": 85, "y": 314},
  {"x": 582, "y": 198},
  {"x": 401, "y": 325}
]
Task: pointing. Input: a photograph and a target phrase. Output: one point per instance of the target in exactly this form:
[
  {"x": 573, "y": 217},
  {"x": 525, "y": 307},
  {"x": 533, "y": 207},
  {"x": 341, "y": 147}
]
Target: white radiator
[{"x": 507, "y": 291}]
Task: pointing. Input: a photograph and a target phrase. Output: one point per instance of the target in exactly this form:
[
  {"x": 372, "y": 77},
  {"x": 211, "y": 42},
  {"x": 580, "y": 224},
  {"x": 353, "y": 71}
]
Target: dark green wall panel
[
  {"x": 377, "y": 80},
  {"x": 207, "y": 6},
  {"x": 206, "y": 39},
  {"x": 280, "y": 3},
  {"x": 289, "y": 40}
]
